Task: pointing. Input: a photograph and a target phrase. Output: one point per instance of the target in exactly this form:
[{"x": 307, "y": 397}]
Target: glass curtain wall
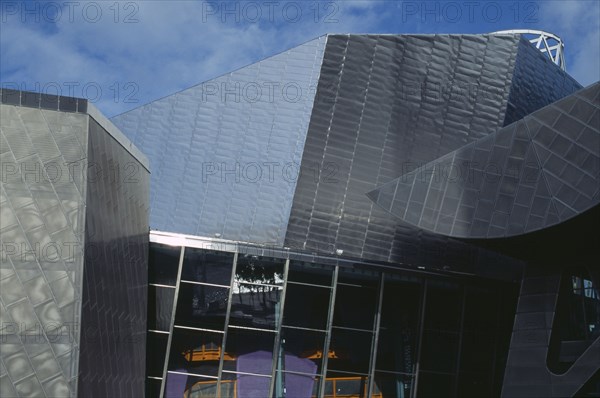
[{"x": 244, "y": 324}]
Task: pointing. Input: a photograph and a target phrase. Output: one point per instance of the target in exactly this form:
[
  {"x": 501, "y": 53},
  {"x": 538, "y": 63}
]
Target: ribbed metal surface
[
  {"x": 225, "y": 154},
  {"x": 386, "y": 105},
  {"x": 115, "y": 284},
  {"x": 536, "y": 83},
  {"x": 535, "y": 173}
]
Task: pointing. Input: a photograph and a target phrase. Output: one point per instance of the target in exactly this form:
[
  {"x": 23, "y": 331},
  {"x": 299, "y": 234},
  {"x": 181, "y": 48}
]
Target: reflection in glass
[
  {"x": 305, "y": 272},
  {"x": 235, "y": 385},
  {"x": 301, "y": 351},
  {"x": 306, "y": 306},
  {"x": 252, "y": 350},
  {"x": 153, "y": 388},
  {"x": 296, "y": 385},
  {"x": 398, "y": 327},
  {"x": 160, "y": 307},
  {"x": 189, "y": 386},
  {"x": 202, "y": 306},
  {"x": 207, "y": 266},
  {"x": 355, "y": 307},
  {"x": 345, "y": 385},
  {"x": 390, "y": 385},
  {"x": 156, "y": 348},
  {"x": 350, "y": 350},
  {"x": 194, "y": 351},
  {"x": 163, "y": 264},
  {"x": 259, "y": 269},
  {"x": 255, "y": 306}
]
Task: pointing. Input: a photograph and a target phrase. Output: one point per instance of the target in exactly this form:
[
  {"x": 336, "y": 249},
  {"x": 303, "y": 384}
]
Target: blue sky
[{"x": 124, "y": 54}]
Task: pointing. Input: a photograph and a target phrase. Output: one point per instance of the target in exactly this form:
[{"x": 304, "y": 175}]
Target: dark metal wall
[
  {"x": 113, "y": 313},
  {"x": 536, "y": 83},
  {"x": 386, "y": 105},
  {"x": 540, "y": 171}
]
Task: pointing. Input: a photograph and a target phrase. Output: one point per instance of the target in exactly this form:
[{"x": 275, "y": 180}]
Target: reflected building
[{"x": 239, "y": 320}]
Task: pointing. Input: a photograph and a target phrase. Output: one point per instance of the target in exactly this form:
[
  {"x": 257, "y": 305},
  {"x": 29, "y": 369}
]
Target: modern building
[
  {"x": 359, "y": 216},
  {"x": 74, "y": 233}
]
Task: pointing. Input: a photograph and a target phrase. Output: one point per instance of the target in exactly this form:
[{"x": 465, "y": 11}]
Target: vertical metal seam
[
  {"x": 170, "y": 338},
  {"x": 332, "y": 295},
  {"x": 461, "y": 331},
  {"x": 226, "y": 326},
  {"x": 375, "y": 341},
  {"x": 420, "y": 340},
  {"x": 278, "y": 334}
]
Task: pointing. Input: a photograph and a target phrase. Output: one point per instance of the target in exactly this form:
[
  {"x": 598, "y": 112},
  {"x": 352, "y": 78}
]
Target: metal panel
[
  {"x": 225, "y": 153},
  {"x": 536, "y": 83},
  {"x": 533, "y": 174},
  {"x": 527, "y": 373},
  {"x": 115, "y": 286},
  {"x": 65, "y": 207},
  {"x": 41, "y": 229},
  {"x": 385, "y": 105}
]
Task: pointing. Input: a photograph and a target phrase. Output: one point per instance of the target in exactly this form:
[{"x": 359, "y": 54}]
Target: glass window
[
  {"x": 246, "y": 386},
  {"x": 435, "y": 385},
  {"x": 306, "y": 306},
  {"x": 183, "y": 385},
  {"x": 305, "y": 272},
  {"x": 195, "y": 351},
  {"x": 350, "y": 350},
  {"x": 160, "y": 307},
  {"x": 474, "y": 385},
  {"x": 340, "y": 384},
  {"x": 253, "y": 350},
  {"x": 156, "y": 348},
  {"x": 355, "y": 306},
  {"x": 477, "y": 352},
  {"x": 163, "y": 264},
  {"x": 153, "y": 388},
  {"x": 259, "y": 269},
  {"x": 439, "y": 352},
  {"x": 389, "y": 385},
  {"x": 256, "y": 306},
  {"x": 398, "y": 332},
  {"x": 202, "y": 306},
  {"x": 301, "y": 351},
  {"x": 296, "y": 385},
  {"x": 207, "y": 266},
  {"x": 481, "y": 309},
  {"x": 443, "y": 308}
]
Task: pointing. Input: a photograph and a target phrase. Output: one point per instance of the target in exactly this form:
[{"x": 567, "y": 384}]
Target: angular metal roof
[{"x": 532, "y": 174}]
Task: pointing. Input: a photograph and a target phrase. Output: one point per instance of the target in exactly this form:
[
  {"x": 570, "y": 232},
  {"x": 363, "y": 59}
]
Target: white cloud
[
  {"x": 578, "y": 24},
  {"x": 173, "y": 45}
]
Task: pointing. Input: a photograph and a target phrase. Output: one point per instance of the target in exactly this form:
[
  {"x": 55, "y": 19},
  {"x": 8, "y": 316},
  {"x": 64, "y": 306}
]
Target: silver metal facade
[
  {"x": 530, "y": 175},
  {"x": 226, "y": 153},
  {"x": 42, "y": 234},
  {"x": 74, "y": 243}
]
